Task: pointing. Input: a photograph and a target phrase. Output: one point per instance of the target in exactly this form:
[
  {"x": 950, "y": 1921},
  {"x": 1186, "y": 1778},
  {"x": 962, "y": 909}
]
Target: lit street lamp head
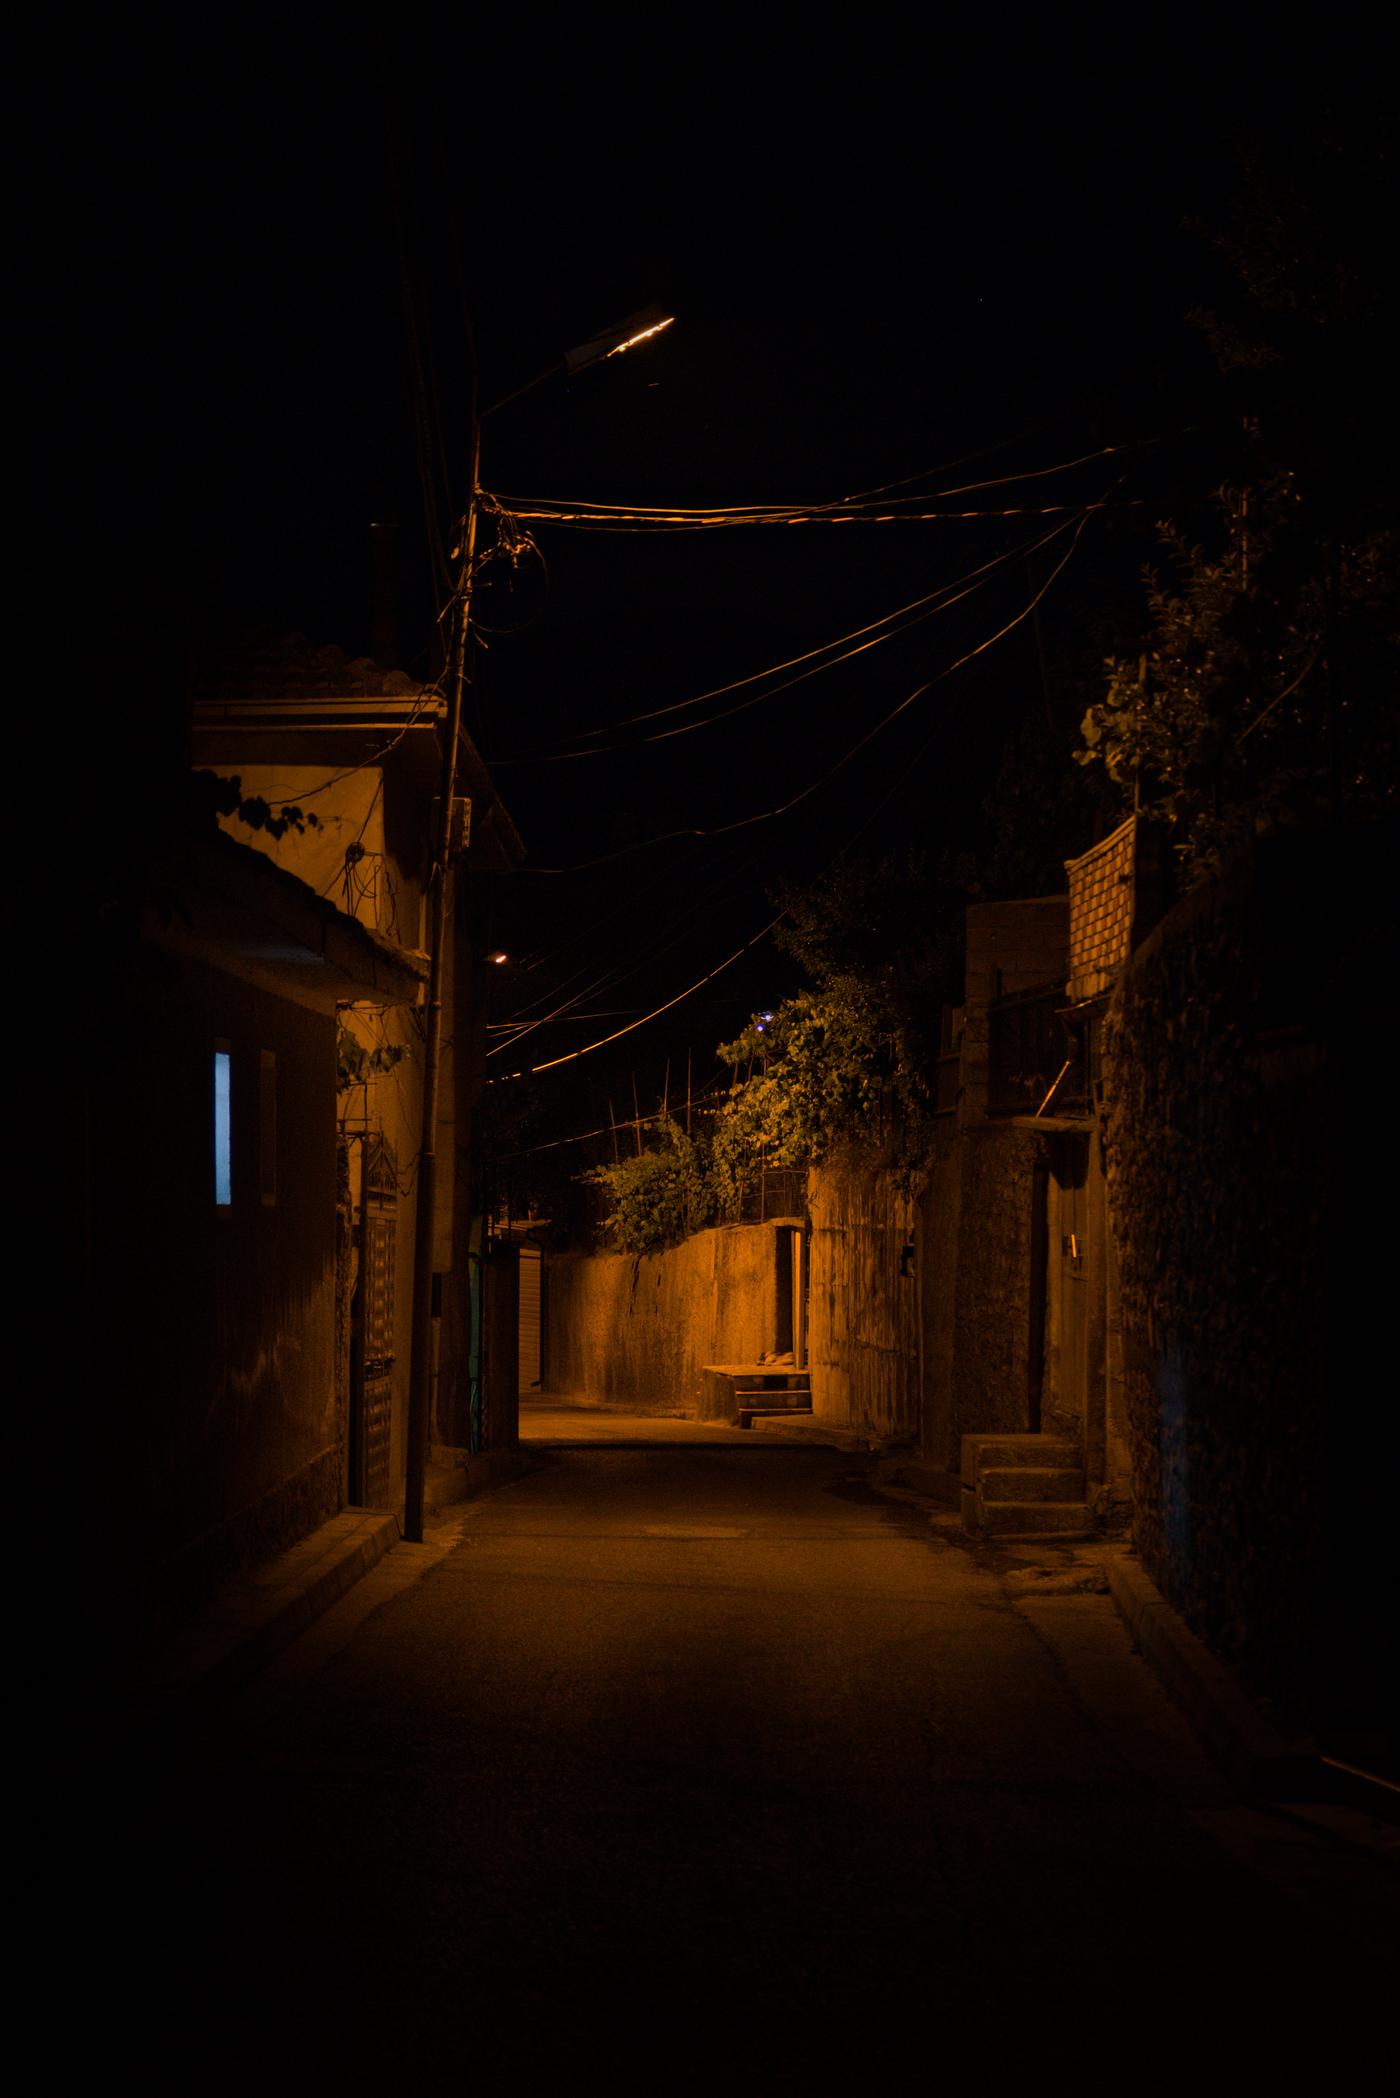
[{"x": 624, "y": 335}]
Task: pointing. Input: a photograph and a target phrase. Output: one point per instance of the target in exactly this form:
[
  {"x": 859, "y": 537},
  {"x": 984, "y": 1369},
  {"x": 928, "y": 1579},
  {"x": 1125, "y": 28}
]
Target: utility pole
[
  {"x": 440, "y": 887},
  {"x": 637, "y": 328}
]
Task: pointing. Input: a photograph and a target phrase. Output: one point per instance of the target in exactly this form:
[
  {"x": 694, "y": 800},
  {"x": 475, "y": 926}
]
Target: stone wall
[
  {"x": 1225, "y": 1053},
  {"x": 636, "y": 1330},
  {"x": 975, "y": 1265},
  {"x": 920, "y": 1317}
]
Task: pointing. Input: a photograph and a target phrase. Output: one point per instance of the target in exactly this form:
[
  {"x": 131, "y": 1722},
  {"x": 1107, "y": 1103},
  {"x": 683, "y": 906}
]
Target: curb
[
  {"x": 254, "y": 1619},
  {"x": 1256, "y": 1756},
  {"x": 933, "y": 1481},
  {"x": 814, "y": 1433},
  {"x": 455, "y": 1476}
]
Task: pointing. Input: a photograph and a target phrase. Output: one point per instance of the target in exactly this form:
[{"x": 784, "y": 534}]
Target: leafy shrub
[{"x": 656, "y": 1198}]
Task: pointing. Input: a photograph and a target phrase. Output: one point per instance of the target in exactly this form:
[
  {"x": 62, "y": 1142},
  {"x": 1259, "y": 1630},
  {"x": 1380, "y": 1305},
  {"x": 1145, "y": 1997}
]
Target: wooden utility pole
[
  {"x": 439, "y": 931},
  {"x": 637, "y": 328}
]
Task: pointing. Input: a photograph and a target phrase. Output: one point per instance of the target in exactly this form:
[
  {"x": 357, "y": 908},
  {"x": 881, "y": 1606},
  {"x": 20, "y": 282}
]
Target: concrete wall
[
  {"x": 863, "y": 1317},
  {"x": 636, "y": 1330}
]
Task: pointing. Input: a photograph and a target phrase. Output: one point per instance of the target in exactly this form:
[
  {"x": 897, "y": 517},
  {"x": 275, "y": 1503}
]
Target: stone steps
[
  {"x": 729, "y": 1390},
  {"x": 770, "y": 1404},
  {"x": 1033, "y": 1519},
  {"x": 1018, "y": 1450},
  {"x": 1023, "y": 1486},
  {"x": 1031, "y": 1482}
]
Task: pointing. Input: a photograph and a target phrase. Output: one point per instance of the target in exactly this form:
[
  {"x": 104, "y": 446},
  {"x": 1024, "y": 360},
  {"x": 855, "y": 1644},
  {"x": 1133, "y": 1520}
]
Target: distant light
[{"x": 498, "y": 957}]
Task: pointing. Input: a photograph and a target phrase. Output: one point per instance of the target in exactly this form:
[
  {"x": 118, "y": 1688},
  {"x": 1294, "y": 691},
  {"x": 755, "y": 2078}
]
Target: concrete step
[
  {"x": 1032, "y": 1482},
  {"x": 1034, "y": 1518},
  {"x": 980, "y": 1451},
  {"x": 747, "y": 1414}
]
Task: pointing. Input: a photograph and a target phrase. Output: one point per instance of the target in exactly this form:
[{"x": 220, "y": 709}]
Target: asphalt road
[{"x": 712, "y": 1768}]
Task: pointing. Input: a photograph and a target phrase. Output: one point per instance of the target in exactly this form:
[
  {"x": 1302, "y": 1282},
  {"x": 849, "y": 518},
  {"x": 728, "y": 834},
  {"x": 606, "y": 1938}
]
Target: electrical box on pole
[{"x": 459, "y": 830}]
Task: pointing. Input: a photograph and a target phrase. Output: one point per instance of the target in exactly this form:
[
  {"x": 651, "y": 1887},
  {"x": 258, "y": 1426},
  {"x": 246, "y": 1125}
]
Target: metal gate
[
  {"x": 529, "y": 1318},
  {"x": 372, "y": 1353}
]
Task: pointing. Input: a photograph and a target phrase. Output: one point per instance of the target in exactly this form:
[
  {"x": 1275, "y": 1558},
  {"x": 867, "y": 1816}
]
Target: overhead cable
[
  {"x": 620, "y": 972},
  {"x": 655, "y": 1013},
  {"x": 910, "y": 615},
  {"x": 663, "y": 522},
  {"x": 768, "y": 815},
  {"x": 561, "y": 508}
]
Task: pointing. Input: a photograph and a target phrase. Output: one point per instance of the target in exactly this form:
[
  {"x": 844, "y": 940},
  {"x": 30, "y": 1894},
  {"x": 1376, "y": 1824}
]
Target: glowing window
[{"x": 223, "y": 1127}]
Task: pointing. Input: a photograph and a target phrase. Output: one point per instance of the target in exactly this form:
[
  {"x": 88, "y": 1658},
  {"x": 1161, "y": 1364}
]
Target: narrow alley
[{"x": 708, "y": 1764}]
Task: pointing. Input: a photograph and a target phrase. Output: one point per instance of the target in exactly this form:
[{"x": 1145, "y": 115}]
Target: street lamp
[{"x": 611, "y": 342}]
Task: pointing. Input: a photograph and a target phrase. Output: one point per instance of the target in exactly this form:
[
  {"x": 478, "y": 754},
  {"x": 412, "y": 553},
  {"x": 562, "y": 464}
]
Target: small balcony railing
[{"x": 1029, "y": 1045}]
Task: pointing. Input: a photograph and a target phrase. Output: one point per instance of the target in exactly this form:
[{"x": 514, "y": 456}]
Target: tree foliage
[
  {"x": 1265, "y": 693},
  {"x": 356, "y": 1063},
  {"x": 815, "y": 1071},
  {"x": 215, "y": 795},
  {"x": 655, "y": 1198},
  {"x": 829, "y": 1065}
]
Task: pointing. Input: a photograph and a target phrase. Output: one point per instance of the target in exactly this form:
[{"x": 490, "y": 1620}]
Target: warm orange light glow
[{"x": 646, "y": 334}]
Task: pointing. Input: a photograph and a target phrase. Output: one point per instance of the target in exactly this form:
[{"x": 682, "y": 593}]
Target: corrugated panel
[{"x": 530, "y": 1265}]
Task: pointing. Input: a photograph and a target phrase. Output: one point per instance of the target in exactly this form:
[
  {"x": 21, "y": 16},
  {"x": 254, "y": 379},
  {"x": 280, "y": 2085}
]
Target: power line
[
  {"x": 620, "y": 972},
  {"x": 641, "y": 522},
  {"x": 768, "y": 815},
  {"x": 911, "y": 614},
  {"x": 655, "y": 1013},
  {"x": 506, "y": 1026},
  {"x": 608, "y": 1128},
  {"x": 840, "y": 509},
  {"x": 573, "y": 1055}
]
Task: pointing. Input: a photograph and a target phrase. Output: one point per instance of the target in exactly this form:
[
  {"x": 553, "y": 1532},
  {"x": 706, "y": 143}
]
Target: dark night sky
[{"x": 886, "y": 249}]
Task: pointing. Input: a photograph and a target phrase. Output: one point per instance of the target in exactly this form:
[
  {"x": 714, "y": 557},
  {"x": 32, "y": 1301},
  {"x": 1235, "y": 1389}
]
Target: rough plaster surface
[
  {"x": 217, "y": 1436},
  {"x": 863, "y": 1314},
  {"x": 637, "y": 1329}
]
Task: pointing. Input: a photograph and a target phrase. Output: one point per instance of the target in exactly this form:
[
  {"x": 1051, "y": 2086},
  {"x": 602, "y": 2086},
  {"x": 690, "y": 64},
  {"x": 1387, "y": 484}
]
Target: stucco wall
[
  {"x": 863, "y": 1316},
  {"x": 214, "y": 1432},
  {"x": 636, "y": 1330}
]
